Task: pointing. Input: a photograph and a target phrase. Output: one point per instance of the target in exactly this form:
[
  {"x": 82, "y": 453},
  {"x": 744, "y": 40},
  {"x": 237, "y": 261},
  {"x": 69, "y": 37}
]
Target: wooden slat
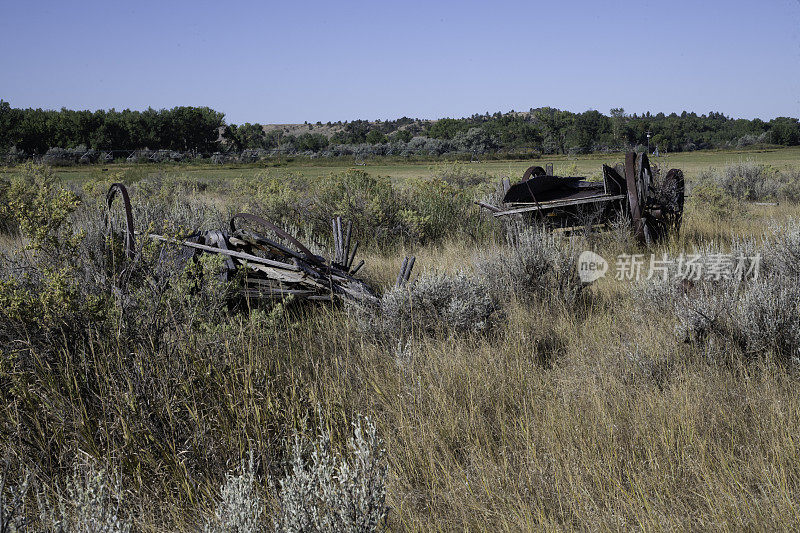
[
  {"x": 283, "y": 276},
  {"x": 633, "y": 195},
  {"x": 564, "y": 203},
  {"x": 490, "y": 207},
  {"x": 256, "y": 293},
  {"x": 232, "y": 253},
  {"x": 352, "y": 256}
]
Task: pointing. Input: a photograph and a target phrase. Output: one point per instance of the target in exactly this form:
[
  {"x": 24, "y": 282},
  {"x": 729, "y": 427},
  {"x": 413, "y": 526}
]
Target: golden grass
[
  {"x": 626, "y": 430},
  {"x": 593, "y": 418},
  {"x": 600, "y": 419},
  {"x": 596, "y": 420}
]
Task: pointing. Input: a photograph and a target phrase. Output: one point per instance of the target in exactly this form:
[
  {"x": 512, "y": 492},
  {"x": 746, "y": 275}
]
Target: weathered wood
[
  {"x": 490, "y": 207},
  {"x": 557, "y": 204},
  {"x": 339, "y": 239},
  {"x": 283, "y": 275},
  {"x": 232, "y": 253},
  {"x": 352, "y": 256},
  {"x": 308, "y": 275},
  {"x": 645, "y": 179},
  {"x": 357, "y": 268},
  {"x": 409, "y": 268},
  {"x": 633, "y": 195},
  {"x": 272, "y": 227},
  {"x": 217, "y": 238},
  {"x": 346, "y": 249},
  {"x": 402, "y": 272},
  {"x": 260, "y": 293},
  {"x": 655, "y": 209},
  {"x": 335, "y": 241},
  {"x": 321, "y": 297}
]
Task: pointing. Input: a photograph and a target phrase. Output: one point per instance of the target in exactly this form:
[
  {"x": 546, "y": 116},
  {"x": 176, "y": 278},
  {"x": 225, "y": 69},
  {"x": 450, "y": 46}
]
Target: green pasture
[{"x": 589, "y": 165}]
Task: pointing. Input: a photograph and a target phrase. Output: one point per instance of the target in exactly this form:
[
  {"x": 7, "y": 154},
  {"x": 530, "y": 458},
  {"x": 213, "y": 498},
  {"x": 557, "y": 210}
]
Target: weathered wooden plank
[
  {"x": 346, "y": 248},
  {"x": 261, "y": 293},
  {"x": 352, "y": 256},
  {"x": 633, "y": 195},
  {"x": 402, "y": 272},
  {"x": 357, "y": 268},
  {"x": 217, "y": 238},
  {"x": 339, "y": 240},
  {"x": 490, "y": 207},
  {"x": 565, "y": 203},
  {"x": 240, "y": 255}
]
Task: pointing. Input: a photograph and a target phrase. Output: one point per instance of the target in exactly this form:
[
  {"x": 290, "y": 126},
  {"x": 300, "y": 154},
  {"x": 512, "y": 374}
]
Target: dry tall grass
[{"x": 587, "y": 415}]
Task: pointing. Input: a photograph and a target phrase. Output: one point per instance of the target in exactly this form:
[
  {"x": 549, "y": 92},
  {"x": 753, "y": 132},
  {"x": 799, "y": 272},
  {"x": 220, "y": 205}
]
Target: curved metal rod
[
  {"x": 534, "y": 171},
  {"x": 278, "y": 231},
  {"x": 130, "y": 242}
]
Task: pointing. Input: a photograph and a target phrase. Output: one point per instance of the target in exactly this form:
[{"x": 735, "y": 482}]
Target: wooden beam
[
  {"x": 231, "y": 253},
  {"x": 633, "y": 195},
  {"x": 564, "y": 203}
]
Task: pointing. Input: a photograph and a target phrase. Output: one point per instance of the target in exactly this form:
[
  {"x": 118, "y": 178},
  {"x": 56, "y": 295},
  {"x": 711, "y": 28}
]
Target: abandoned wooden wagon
[
  {"x": 268, "y": 262},
  {"x": 653, "y": 206}
]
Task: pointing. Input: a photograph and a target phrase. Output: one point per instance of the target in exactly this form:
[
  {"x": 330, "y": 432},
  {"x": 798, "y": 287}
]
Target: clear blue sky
[{"x": 290, "y": 61}]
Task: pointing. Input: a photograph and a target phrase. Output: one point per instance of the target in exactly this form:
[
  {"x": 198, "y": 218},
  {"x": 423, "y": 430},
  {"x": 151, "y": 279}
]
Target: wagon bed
[{"x": 654, "y": 209}]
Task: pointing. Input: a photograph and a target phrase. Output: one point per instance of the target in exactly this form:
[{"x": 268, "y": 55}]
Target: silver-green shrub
[
  {"x": 534, "y": 266},
  {"x": 436, "y": 302},
  {"x": 89, "y": 504},
  {"x": 781, "y": 251},
  {"x": 322, "y": 491},
  {"x": 748, "y": 180},
  {"x": 335, "y": 494},
  {"x": 240, "y": 509},
  {"x": 758, "y": 316}
]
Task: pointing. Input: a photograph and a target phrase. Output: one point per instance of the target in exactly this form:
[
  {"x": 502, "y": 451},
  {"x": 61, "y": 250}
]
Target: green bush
[
  {"x": 370, "y": 202},
  {"x": 437, "y": 209},
  {"x": 714, "y": 198},
  {"x": 34, "y": 204}
]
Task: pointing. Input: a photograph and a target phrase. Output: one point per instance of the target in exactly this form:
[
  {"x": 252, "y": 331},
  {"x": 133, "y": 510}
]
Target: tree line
[
  {"x": 34, "y": 131},
  {"x": 203, "y": 130}
]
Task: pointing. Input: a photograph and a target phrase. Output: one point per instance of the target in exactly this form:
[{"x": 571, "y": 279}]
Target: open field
[
  {"x": 589, "y": 165},
  {"x": 507, "y": 395}
]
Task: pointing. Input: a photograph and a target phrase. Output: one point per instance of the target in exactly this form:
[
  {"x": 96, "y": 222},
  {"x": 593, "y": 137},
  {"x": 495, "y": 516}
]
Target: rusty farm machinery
[
  {"x": 654, "y": 207},
  {"x": 268, "y": 262}
]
